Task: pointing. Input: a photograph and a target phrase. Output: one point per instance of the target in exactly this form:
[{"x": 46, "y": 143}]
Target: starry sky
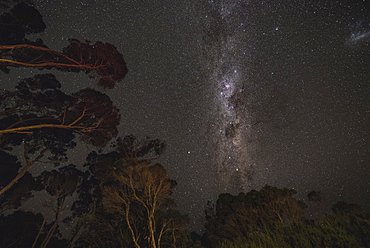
[{"x": 244, "y": 92}]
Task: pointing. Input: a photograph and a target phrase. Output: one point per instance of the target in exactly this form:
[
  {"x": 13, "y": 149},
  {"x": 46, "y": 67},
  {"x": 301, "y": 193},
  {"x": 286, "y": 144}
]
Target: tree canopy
[{"x": 103, "y": 59}]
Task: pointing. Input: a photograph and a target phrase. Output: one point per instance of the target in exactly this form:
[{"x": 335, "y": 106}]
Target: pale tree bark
[
  {"x": 112, "y": 201},
  {"x": 153, "y": 190}
]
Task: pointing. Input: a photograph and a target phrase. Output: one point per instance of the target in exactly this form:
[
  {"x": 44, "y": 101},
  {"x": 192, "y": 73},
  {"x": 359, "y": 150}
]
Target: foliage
[
  {"x": 346, "y": 226},
  {"x": 145, "y": 148},
  {"x": 332, "y": 231},
  {"x": 39, "y": 124},
  {"x": 102, "y": 59},
  {"x": 238, "y": 216},
  {"x": 22, "y": 19},
  {"x": 314, "y": 196},
  {"x": 38, "y": 117},
  {"x": 131, "y": 197},
  {"x": 13, "y": 198}
]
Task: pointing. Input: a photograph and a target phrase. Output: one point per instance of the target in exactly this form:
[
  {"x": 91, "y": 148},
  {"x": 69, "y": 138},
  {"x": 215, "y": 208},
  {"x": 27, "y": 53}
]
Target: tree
[
  {"x": 59, "y": 184},
  {"x": 38, "y": 116},
  {"x": 348, "y": 227},
  {"x": 244, "y": 214},
  {"x": 101, "y": 58},
  {"x": 128, "y": 199},
  {"x": 13, "y": 198},
  {"x": 272, "y": 218},
  {"x": 149, "y": 149},
  {"x": 314, "y": 196},
  {"x": 21, "y": 20},
  {"x": 142, "y": 185},
  {"x": 39, "y": 122},
  {"x": 41, "y": 118},
  {"x": 100, "y": 167}
]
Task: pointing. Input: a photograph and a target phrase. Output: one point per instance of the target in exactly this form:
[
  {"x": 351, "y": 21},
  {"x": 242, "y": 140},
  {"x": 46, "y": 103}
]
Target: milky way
[{"x": 228, "y": 49}]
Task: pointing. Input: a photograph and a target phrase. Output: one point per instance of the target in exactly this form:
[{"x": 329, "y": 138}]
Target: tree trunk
[{"x": 54, "y": 226}]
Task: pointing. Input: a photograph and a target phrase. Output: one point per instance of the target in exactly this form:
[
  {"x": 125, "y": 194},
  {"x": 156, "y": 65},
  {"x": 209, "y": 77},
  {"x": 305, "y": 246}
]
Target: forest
[{"x": 120, "y": 198}]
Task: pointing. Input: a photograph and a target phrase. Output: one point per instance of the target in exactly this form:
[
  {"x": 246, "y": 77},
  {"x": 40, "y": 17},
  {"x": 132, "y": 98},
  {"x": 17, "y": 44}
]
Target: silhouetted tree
[
  {"x": 101, "y": 58},
  {"x": 314, "y": 196},
  {"x": 59, "y": 184},
  {"x": 40, "y": 118},
  {"x": 147, "y": 148},
  {"x": 9, "y": 167},
  {"x": 348, "y": 227},
  {"x": 40, "y": 123},
  {"x": 22, "y": 19},
  {"x": 241, "y": 215}
]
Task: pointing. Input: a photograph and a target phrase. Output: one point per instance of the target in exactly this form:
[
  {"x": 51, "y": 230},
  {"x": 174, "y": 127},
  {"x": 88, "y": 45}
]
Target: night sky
[{"x": 244, "y": 93}]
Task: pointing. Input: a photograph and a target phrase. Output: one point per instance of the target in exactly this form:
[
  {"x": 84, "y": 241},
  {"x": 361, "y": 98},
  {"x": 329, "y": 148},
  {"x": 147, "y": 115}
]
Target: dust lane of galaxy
[{"x": 227, "y": 45}]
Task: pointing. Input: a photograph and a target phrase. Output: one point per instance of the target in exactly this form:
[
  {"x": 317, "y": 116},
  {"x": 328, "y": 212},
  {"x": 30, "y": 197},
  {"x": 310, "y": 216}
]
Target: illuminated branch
[
  {"x": 45, "y": 64},
  {"x": 23, "y": 171},
  {"x": 22, "y": 121},
  {"x": 25, "y": 129},
  {"x": 80, "y": 117},
  {"x": 78, "y": 128},
  {"x": 102, "y": 58},
  {"x": 147, "y": 185},
  {"x": 12, "y": 47}
]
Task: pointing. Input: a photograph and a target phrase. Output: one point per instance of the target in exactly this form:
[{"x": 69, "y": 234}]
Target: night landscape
[{"x": 190, "y": 123}]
